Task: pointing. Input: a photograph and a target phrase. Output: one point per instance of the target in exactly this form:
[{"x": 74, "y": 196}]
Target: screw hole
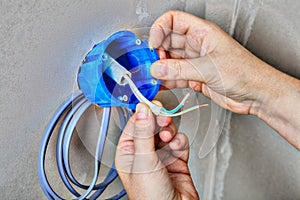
[
  {"x": 125, "y": 98},
  {"x": 138, "y": 42},
  {"x": 154, "y": 82}
]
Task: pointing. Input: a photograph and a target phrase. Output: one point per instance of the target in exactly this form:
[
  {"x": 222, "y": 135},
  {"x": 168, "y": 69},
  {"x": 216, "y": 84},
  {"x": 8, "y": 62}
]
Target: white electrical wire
[
  {"x": 159, "y": 110},
  {"x": 156, "y": 109}
]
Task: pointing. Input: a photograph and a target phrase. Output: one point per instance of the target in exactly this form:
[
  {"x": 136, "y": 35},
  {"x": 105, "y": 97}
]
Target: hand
[
  {"x": 154, "y": 166},
  {"x": 197, "y": 53}
]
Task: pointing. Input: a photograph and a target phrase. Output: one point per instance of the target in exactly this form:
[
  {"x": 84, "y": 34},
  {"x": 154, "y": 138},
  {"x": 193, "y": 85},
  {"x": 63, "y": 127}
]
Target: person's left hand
[{"x": 154, "y": 166}]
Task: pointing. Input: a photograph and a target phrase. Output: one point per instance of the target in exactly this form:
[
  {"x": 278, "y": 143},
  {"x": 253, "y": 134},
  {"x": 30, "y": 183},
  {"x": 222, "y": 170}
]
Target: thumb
[
  {"x": 196, "y": 69},
  {"x": 145, "y": 158},
  {"x": 144, "y": 130}
]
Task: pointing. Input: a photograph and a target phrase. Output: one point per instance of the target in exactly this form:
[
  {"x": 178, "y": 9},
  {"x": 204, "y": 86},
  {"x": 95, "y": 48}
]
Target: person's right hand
[{"x": 197, "y": 53}]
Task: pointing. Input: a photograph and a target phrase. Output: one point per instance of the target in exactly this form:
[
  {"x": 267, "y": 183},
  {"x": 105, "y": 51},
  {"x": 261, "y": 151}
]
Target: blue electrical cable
[
  {"x": 69, "y": 113},
  {"x": 59, "y": 150},
  {"x": 99, "y": 150},
  {"x": 98, "y": 88},
  {"x": 68, "y": 132},
  {"x": 50, "y": 194}
]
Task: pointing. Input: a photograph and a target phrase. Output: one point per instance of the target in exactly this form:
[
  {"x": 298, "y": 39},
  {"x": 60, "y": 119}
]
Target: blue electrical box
[{"x": 132, "y": 53}]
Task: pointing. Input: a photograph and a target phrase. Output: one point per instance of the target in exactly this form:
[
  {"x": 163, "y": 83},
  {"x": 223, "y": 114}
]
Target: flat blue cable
[
  {"x": 44, "y": 143},
  {"x": 59, "y": 150},
  {"x": 75, "y": 105},
  {"x": 67, "y": 140},
  {"x": 123, "y": 192},
  {"x": 66, "y": 145},
  {"x": 113, "y": 172},
  {"x": 65, "y": 165},
  {"x": 99, "y": 150}
]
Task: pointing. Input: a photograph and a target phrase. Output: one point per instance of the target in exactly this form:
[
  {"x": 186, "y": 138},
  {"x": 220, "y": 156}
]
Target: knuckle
[
  {"x": 143, "y": 127},
  {"x": 178, "y": 70}
]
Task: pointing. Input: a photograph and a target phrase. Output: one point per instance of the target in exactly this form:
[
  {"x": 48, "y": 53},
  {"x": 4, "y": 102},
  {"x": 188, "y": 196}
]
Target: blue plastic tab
[{"x": 133, "y": 54}]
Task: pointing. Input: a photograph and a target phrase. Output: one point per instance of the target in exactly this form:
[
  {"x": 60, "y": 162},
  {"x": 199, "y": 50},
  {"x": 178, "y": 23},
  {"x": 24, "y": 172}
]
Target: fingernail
[
  {"x": 159, "y": 70},
  {"x": 141, "y": 111},
  {"x": 150, "y": 45},
  {"x": 166, "y": 134},
  {"x": 175, "y": 142}
]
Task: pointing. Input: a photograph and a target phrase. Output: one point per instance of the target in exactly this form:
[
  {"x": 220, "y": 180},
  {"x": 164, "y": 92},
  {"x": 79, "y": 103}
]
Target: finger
[
  {"x": 167, "y": 133},
  {"x": 156, "y": 102},
  {"x": 165, "y": 122},
  {"x": 186, "y": 52},
  {"x": 176, "y": 21},
  {"x": 159, "y": 31},
  {"x": 169, "y": 129},
  {"x": 166, "y": 85},
  {"x": 143, "y": 130},
  {"x": 178, "y": 143},
  {"x": 145, "y": 158},
  {"x": 191, "y": 52},
  {"x": 175, "y": 154},
  {"x": 173, "y": 41},
  {"x": 166, "y": 43},
  {"x": 180, "y": 146},
  {"x": 184, "y": 47},
  {"x": 161, "y": 53},
  {"x": 162, "y": 120},
  {"x": 195, "y": 85},
  {"x": 178, "y": 41},
  {"x": 177, "y": 53},
  {"x": 197, "y": 69}
]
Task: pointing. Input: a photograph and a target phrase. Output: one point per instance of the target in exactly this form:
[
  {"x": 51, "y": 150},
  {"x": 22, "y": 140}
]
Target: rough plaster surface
[
  {"x": 43, "y": 43},
  {"x": 263, "y": 165}
]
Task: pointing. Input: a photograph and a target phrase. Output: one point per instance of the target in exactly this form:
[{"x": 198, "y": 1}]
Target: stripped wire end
[
  {"x": 203, "y": 105},
  {"x": 180, "y": 105},
  {"x": 184, "y": 111}
]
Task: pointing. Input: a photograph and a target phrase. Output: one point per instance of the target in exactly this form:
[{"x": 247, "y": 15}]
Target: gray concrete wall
[{"x": 44, "y": 42}]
